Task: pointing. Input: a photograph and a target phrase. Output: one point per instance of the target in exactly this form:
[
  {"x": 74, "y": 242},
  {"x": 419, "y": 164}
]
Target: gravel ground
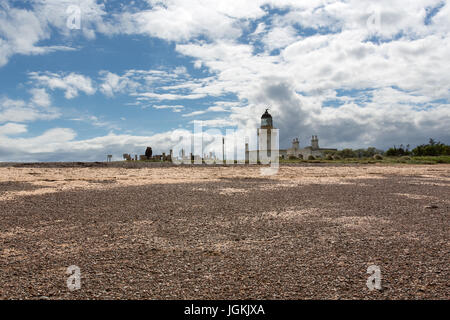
[{"x": 166, "y": 232}]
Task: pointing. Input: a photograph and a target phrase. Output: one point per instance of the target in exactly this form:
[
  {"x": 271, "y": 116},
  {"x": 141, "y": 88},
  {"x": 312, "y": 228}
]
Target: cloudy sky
[{"x": 80, "y": 79}]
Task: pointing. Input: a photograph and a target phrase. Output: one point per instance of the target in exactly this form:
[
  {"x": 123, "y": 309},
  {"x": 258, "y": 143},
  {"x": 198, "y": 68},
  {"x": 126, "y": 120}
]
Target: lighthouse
[{"x": 266, "y": 134}]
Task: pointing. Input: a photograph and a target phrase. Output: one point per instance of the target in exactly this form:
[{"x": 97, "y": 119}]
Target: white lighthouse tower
[{"x": 267, "y": 137}]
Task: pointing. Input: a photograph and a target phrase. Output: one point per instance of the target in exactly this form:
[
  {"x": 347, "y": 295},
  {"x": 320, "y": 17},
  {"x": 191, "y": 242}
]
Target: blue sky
[{"x": 138, "y": 73}]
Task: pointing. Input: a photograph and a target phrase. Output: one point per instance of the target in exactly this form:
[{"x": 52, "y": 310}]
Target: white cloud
[
  {"x": 22, "y": 29},
  {"x": 178, "y": 20},
  {"x": 36, "y": 148},
  {"x": 194, "y": 113},
  {"x": 21, "y": 111},
  {"x": 219, "y": 106},
  {"x": 95, "y": 121},
  {"x": 168, "y": 96},
  {"x": 390, "y": 83},
  {"x": 72, "y": 83},
  {"x": 56, "y": 14},
  {"x": 279, "y": 37},
  {"x": 217, "y": 123},
  {"x": 314, "y": 69},
  {"x": 141, "y": 83},
  {"x": 60, "y": 145},
  {"x": 113, "y": 83},
  {"x": 12, "y": 129},
  {"x": 40, "y": 97},
  {"x": 174, "y": 108}
]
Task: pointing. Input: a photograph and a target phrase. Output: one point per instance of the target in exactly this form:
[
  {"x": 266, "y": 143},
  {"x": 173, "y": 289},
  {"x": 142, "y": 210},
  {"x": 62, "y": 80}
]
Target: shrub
[
  {"x": 336, "y": 157},
  {"x": 433, "y": 148},
  {"x": 358, "y": 153},
  {"x": 329, "y": 157},
  {"x": 398, "y": 152},
  {"x": 371, "y": 152},
  {"x": 292, "y": 157},
  {"x": 378, "y": 157},
  {"x": 347, "y": 153},
  {"x": 148, "y": 152},
  {"x": 311, "y": 157}
]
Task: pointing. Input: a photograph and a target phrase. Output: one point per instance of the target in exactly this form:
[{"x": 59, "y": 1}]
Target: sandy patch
[
  {"x": 317, "y": 215},
  {"x": 360, "y": 222},
  {"x": 10, "y": 253},
  {"x": 292, "y": 214},
  {"x": 64, "y": 179},
  {"x": 231, "y": 191},
  {"x": 422, "y": 197}
]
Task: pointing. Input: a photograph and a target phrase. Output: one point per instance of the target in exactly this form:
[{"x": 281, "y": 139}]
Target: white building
[
  {"x": 312, "y": 150},
  {"x": 267, "y": 147},
  {"x": 267, "y": 141}
]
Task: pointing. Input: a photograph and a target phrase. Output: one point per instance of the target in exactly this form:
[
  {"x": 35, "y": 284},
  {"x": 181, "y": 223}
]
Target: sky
[{"x": 80, "y": 79}]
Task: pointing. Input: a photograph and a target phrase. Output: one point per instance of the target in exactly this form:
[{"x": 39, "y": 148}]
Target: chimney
[{"x": 315, "y": 142}]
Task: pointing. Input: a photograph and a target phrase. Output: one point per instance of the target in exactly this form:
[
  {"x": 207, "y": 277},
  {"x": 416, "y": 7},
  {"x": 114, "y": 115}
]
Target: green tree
[
  {"x": 347, "y": 153},
  {"x": 398, "y": 152},
  {"x": 433, "y": 148}
]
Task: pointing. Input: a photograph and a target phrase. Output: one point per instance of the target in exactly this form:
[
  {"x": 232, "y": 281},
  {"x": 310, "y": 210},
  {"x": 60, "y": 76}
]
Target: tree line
[{"x": 433, "y": 148}]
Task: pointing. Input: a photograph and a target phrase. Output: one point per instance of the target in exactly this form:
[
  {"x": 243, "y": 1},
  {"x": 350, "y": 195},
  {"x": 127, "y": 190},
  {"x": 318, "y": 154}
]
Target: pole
[{"x": 223, "y": 149}]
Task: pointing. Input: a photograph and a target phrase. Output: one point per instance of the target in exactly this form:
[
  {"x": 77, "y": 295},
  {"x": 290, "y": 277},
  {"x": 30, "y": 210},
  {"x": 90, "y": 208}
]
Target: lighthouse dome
[{"x": 266, "y": 120}]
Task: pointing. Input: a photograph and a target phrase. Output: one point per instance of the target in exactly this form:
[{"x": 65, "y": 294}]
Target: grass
[
  {"x": 386, "y": 160},
  {"x": 407, "y": 160}
]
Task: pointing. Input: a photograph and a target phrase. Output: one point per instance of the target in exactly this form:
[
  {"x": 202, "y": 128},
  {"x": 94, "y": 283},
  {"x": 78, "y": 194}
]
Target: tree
[
  {"x": 433, "y": 148},
  {"x": 148, "y": 152},
  {"x": 398, "y": 152},
  {"x": 347, "y": 153}
]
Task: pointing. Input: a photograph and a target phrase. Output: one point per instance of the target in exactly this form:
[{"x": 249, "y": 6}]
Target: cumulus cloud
[
  {"x": 19, "y": 32},
  {"x": 35, "y": 148},
  {"x": 216, "y": 123},
  {"x": 57, "y": 13},
  {"x": 12, "y": 129},
  {"x": 113, "y": 83},
  {"x": 279, "y": 37},
  {"x": 342, "y": 83},
  {"x": 219, "y": 106},
  {"x": 60, "y": 144},
  {"x": 178, "y": 20},
  {"x": 142, "y": 84},
  {"x": 356, "y": 73},
  {"x": 72, "y": 83},
  {"x": 174, "y": 108},
  {"x": 22, "y": 111},
  {"x": 194, "y": 113},
  {"x": 21, "y": 29},
  {"x": 95, "y": 121},
  {"x": 40, "y": 97},
  {"x": 168, "y": 96}
]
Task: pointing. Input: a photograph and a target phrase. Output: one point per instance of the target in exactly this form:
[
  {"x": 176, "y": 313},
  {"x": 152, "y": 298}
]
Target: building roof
[{"x": 266, "y": 114}]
